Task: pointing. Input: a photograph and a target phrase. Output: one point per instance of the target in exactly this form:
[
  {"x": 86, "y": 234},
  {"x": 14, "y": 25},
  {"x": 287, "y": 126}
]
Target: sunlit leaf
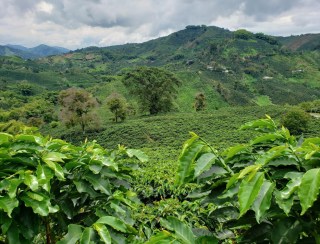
[
  {"x": 309, "y": 189},
  {"x": 248, "y": 191},
  {"x": 103, "y": 232},
  {"x": 263, "y": 200},
  {"x": 73, "y": 235}
]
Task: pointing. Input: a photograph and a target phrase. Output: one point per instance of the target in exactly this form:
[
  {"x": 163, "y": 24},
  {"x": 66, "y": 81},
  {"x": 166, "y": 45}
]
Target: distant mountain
[
  {"x": 306, "y": 42},
  {"x": 31, "y": 53}
]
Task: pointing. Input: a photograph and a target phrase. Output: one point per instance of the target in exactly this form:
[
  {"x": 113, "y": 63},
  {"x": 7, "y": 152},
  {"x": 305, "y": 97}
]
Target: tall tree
[
  {"x": 117, "y": 105},
  {"x": 155, "y": 88},
  {"x": 78, "y": 107}
]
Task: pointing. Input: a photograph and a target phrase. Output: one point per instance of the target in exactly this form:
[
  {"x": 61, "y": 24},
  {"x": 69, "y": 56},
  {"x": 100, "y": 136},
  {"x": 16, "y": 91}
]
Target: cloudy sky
[{"x": 80, "y": 23}]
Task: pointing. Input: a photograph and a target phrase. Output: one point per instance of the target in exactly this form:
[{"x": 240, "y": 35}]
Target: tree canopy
[
  {"x": 78, "y": 107},
  {"x": 155, "y": 88}
]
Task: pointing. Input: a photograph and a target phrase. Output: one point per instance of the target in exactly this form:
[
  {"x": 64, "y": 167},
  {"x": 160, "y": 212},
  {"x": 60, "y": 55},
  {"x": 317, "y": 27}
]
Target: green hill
[{"x": 230, "y": 68}]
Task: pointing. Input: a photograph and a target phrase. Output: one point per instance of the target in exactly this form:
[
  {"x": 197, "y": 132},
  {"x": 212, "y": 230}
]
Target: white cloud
[{"x": 75, "y": 24}]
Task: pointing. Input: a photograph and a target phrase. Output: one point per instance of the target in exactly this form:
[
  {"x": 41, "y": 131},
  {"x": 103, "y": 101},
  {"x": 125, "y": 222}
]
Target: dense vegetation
[{"x": 87, "y": 186}]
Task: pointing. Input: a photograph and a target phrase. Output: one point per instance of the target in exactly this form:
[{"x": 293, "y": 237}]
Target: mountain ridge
[{"x": 39, "y": 51}]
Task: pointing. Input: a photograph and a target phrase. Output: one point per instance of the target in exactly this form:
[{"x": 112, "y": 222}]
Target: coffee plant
[
  {"x": 55, "y": 192},
  {"x": 265, "y": 191}
]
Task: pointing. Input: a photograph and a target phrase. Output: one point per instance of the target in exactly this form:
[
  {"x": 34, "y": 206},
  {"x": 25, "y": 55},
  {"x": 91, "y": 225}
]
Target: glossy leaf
[
  {"x": 232, "y": 151},
  {"x": 31, "y": 181},
  {"x": 7, "y": 204},
  {"x": 44, "y": 175},
  {"x": 114, "y": 222},
  {"x": 187, "y": 159},
  {"x": 309, "y": 189},
  {"x": 138, "y": 154},
  {"x": 248, "y": 191},
  {"x": 98, "y": 183},
  {"x": 103, "y": 232},
  {"x": 181, "y": 230},
  {"x": 57, "y": 169},
  {"x": 284, "y": 203},
  {"x": 162, "y": 237},
  {"x": 39, "y": 202},
  {"x": 286, "y": 231},
  {"x": 86, "y": 236},
  {"x": 73, "y": 235},
  {"x": 204, "y": 163},
  {"x": 263, "y": 200}
]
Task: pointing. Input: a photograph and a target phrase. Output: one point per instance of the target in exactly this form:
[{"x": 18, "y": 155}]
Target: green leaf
[
  {"x": 266, "y": 138},
  {"x": 291, "y": 186},
  {"x": 248, "y": 191},
  {"x": 263, "y": 201},
  {"x": 39, "y": 202},
  {"x": 249, "y": 169},
  {"x": 58, "y": 170},
  {"x": 207, "y": 240},
  {"x": 284, "y": 203},
  {"x": 181, "y": 230},
  {"x": 271, "y": 154},
  {"x": 4, "y": 138},
  {"x": 13, "y": 185},
  {"x": 204, "y": 163},
  {"x": 103, "y": 232},
  {"x": 73, "y": 235},
  {"x": 263, "y": 125},
  {"x": 54, "y": 157},
  {"x": 114, "y": 222},
  {"x": 95, "y": 166},
  {"x": 162, "y": 237},
  {"x": 232, "y": 180},
  {"x": 191, "y": 150},
  {"x": 86, "y": 236},
  {"x": 232, "y": 151},
  {"x": 286, "y": 231},
  {"x": 138, "y": 154},
  {"x": 99, "y": 183},
  {"x": 7, "y": 204},
  {"x": 44, "y": 175},
  {"x": 309, "y": 189},
  {"x": 84, "y": 187},
  {"x": 30, "y": 180},
  {"x": 13, "y": 234}
]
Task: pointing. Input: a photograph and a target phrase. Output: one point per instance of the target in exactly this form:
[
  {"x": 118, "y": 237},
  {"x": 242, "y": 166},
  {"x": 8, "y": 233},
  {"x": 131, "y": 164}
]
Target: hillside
[
  {"x": 230, "y": 68},
  {"x": 306, "y": 42},
  {"x": 31, "y": 53}
]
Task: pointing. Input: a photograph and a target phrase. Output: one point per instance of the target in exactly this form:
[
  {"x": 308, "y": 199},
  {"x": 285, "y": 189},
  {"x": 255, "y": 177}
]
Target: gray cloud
[{"x": 106, "y": 22}]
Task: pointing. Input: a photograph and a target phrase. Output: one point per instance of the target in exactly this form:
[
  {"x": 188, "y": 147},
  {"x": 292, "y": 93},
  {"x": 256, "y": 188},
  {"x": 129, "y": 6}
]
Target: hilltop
[{"x": 31, "y": 53}]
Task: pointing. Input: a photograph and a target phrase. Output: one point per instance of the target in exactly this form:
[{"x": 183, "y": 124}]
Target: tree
[
  {"x": 200, "y": 102},
  {"x": 296, "y": 121},
  {"x": 78, "y": 107},
  {"x": 155, "y": 88},
  {"x": 25, "y": 88},
  {"x": 117, "y": 105}
]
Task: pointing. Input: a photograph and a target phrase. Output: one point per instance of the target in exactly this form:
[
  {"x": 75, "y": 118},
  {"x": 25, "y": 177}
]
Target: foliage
[
  {"x": 54, "y": 191},
  {"x": 200, "y": 102},
  {"x": 296, "y": 120},
  {"x": 25, "y": 88},
  {"x": 78, "y": 107},
  {"x": 117, "y": 105},
  {"x": 243, "y": 34},
  {"x": 262, "y": 191},
  {"x": 154, "y": 87}
]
